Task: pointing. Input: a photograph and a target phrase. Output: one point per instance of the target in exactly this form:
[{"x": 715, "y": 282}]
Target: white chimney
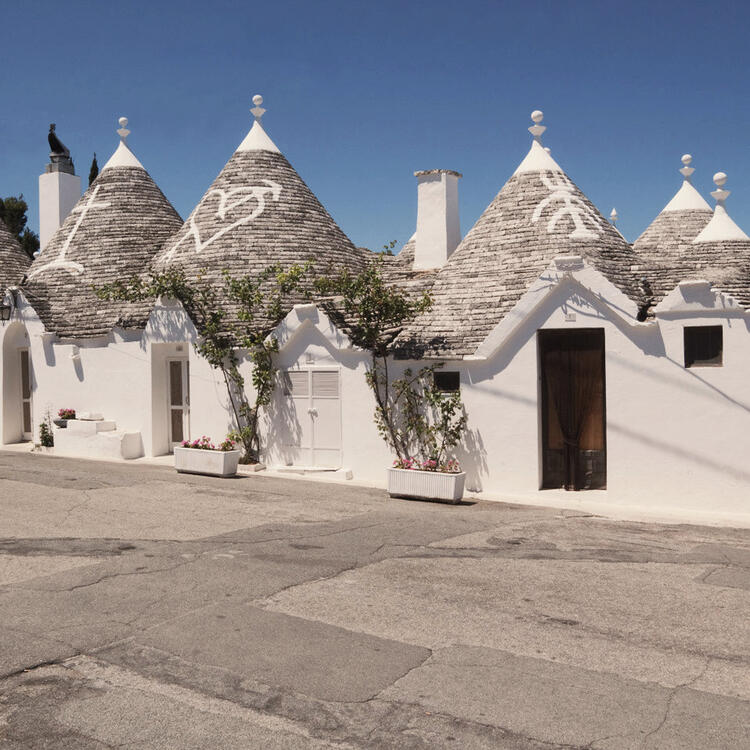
[
  {"x": 438, "y": 227},
  {"x": 59, "y": 189}
]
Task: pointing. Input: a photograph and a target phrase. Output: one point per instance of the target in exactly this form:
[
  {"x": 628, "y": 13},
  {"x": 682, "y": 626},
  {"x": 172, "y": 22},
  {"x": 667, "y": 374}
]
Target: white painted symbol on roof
[
  {"x": 60, "y": 262},
  {"x": 224, "y": 207},
  {"x": 562, "y": 189}
]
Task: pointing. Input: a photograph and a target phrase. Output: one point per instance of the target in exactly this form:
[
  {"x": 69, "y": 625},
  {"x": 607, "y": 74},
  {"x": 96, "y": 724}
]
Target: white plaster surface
[
  {"x": 58, "y": 194},
  {"x": 438, "y": 224},
  {"x": 687, "y": 198},
  {"x": 258, "y": 140},
  {"x": 721, "y": 227},
  {"x": 123, "y": 157},
  {"x": 537, "y": 160}
]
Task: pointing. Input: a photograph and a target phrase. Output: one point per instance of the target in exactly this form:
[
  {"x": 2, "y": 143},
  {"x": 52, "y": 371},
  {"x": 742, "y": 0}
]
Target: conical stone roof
[
  {"x": 14, "y": 262},
  {"x": 257, "y": 213},
  {"x": 112, "y": 234},
  {"x": 689, "y": 241},
  {"x": 538, "y": 215}
]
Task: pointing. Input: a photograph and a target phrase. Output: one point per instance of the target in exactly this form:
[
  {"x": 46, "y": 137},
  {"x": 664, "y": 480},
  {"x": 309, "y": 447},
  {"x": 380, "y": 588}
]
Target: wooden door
[{"x": 574, "y": 452}]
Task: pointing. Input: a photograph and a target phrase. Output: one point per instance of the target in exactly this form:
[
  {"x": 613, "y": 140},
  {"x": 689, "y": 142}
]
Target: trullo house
[{"x": 584, "y": 362}]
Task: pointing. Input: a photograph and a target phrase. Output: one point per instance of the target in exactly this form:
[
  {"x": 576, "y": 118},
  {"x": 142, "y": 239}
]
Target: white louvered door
[
  {"x": 326, "y": 418},
  {"x": 315, "y": 395}
]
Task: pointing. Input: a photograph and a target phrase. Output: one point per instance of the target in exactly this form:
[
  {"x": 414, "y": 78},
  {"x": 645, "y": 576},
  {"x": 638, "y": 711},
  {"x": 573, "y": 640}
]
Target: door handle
[{"x": 312, "y": 412}]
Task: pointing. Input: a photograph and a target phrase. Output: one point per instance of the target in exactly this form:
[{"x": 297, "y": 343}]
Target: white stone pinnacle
[
  {"x": 536, "y": 129},
  {"x": 721, "y": 227},
  {"x": 613, "y": 216},
  {"x": 687, "y": 170},
  {"x": 720, "y": 194},
  {"x": 123, "y": 131},
  {"x": 257, "y": 111},
  {"x": 687, "y": 197},
  {"x": 123, "y": 156}
]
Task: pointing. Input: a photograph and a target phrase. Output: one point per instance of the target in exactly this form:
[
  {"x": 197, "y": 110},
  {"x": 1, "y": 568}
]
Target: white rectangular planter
[
  {"x": 426, "y": 485},
  {"x": 213, "y": 463}
]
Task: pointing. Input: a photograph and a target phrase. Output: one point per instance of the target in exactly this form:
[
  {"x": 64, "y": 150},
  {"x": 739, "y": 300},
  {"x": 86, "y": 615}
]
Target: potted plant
[
  {"x": 426, "y": 480},
  {"x": 413, "y": 415},
  {"x": 46, "y": 438},
  {"x": 63, "y": 415},
  {"x": 201, "y": 456}
]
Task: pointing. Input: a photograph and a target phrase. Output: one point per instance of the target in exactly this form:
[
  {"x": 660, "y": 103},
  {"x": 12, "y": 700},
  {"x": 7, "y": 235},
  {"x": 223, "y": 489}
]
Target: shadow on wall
[
  {"x": 642, "y": 438},
  {"x": 169, "y": 324},
  {"x": 472, "y": 456},
  {"x": 283, "y": 431},
  {"x": 75, "y": 355}
]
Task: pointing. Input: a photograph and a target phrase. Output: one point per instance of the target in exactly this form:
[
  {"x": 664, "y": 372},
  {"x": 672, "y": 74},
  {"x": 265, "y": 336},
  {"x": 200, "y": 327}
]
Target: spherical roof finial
[
  {"x": 123, "y": 131},
  {"x": 720, "y": 178},
  {"x": 686, "y": 159},
  {"x": 257, "y": 110},
  {"x": 536, "y": 129}
]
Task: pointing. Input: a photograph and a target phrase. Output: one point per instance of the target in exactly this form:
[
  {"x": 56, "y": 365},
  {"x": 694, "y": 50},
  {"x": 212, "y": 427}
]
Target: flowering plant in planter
[
  {"x": 413, "y": 415},
  {"x": 201, "y": 456},
  {"x": 451, "y": 466},
  {"x": 66, "y": 414},
  {"x": 204, "y": 443}
]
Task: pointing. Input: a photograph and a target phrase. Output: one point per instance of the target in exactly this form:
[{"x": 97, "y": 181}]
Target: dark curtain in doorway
[{"x": 573, "y": 402}]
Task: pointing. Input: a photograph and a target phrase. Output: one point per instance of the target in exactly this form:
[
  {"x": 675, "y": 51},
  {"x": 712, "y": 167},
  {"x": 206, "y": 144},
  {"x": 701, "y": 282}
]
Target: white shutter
[
  {"x": 325, "y": 384},
  {"x": 296, "y": 383}
]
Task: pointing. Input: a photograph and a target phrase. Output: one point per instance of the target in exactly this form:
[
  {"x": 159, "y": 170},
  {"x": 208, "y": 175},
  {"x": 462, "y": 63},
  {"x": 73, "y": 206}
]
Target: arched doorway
[{"x": 18, "y": 413}]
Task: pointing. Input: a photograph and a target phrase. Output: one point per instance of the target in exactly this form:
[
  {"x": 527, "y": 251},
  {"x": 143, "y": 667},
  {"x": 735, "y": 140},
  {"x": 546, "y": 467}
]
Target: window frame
[
  {"x": 452, "y": 373},
  {"x": 692, "y": 347}
]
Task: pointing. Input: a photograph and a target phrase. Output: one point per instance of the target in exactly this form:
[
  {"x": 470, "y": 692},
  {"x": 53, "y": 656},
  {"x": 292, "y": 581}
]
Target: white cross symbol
[{"x": 60, "y": 262}]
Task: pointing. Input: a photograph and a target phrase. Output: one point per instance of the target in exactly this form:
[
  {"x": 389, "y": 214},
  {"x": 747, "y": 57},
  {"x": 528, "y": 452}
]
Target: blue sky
[{"x": 360, "y": 95}]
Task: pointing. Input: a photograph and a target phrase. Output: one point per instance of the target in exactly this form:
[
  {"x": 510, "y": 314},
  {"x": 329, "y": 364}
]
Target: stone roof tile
[
  {"x": 14, "y": 262},
  {"x": 537, "y": 216},
  {"x": 112, "y": 233}
]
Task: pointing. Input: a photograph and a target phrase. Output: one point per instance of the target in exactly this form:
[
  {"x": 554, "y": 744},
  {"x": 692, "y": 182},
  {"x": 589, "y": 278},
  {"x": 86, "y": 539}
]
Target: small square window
[
  {"x": 704, "y": 346},
  {"x": 447, "y": 382}
]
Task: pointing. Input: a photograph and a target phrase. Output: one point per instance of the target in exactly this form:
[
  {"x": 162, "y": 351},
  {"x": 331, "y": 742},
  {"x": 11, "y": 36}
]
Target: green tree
[
  {"x": 13, "y": 212},
  {"x": 411, "y": 414},
  {"x": 94, "y": 171},
  {"x": 259, "y": 302}
]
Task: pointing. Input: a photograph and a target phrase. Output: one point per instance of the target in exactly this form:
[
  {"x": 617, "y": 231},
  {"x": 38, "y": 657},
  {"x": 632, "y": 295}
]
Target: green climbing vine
[{"x": 258, "y": 303}]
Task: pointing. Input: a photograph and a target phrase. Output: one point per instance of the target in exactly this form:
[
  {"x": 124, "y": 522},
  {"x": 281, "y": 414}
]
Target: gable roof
[
  {"x": 111, "y": 234},
  {"x": 13, "y": 260},
  {"x": 538, "y": 215},
  {"x": 258, "y": 212}
]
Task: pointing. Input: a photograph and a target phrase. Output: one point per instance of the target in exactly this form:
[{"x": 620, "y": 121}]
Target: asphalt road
[{"x": 144, "y": 609}]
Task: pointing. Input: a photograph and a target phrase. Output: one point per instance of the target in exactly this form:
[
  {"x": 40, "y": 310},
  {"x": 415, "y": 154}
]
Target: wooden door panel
[{"x": 573, "y": 408}]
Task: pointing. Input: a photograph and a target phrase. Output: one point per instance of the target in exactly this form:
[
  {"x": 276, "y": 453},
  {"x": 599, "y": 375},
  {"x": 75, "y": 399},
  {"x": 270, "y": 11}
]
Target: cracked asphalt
[{"x": 144, "y": 609}]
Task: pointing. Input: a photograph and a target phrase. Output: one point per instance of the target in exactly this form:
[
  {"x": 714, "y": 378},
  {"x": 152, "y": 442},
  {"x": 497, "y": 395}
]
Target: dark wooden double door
[{"x": 574, "y": 450}]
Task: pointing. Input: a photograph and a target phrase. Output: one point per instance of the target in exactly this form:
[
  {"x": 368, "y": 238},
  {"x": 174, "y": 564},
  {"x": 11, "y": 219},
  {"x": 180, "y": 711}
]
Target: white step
[
  {"x": 86, "y": 427},
  {"x": 108, "y": 444}
]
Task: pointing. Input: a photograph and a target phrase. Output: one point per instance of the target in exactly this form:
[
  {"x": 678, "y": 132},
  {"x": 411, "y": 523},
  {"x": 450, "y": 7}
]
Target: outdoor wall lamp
[{"x": 6, "y": 309}]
